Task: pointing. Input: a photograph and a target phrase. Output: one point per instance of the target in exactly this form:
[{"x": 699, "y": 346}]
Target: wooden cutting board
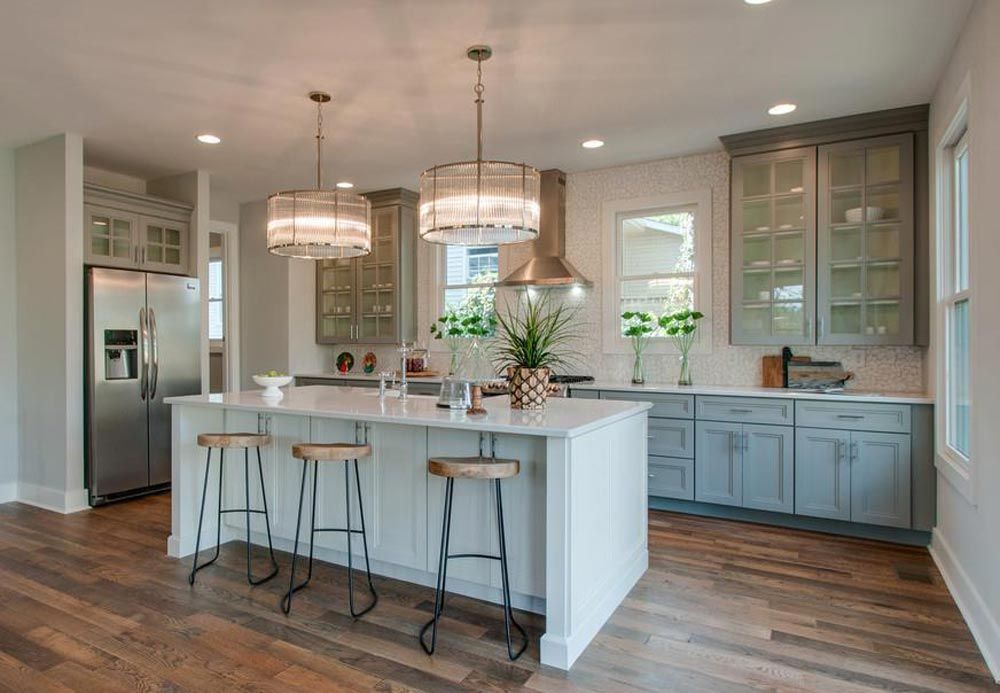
[{"x": 772, "y": 371}]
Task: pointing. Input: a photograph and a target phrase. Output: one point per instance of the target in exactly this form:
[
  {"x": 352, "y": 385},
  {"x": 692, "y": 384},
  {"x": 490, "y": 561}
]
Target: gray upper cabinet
[
  {"x": 371, "y": 299},
  {"x": 774, "y": 247},
  {"x": 865, "y": 248},
  {"x": 133, "y": 231},
  {"x": 829, "y": 224}
]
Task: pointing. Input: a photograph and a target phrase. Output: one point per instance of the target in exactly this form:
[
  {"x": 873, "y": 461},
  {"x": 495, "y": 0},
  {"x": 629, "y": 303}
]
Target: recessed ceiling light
[
  {"x": 345, "y": 184},
  {"x": 592, "y": 144},
  {"x": 782, "y": 109},
  {"x": 756, "y": 2},
  {"x": 209, "y": 139}
]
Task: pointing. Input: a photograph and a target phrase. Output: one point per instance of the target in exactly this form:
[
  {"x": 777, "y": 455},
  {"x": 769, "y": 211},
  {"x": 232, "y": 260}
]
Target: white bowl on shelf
[
  {"x": 271, "y": 385},
  {"x": 853, "y": 215}
]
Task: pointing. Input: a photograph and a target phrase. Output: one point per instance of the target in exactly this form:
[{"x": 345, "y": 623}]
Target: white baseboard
[
  {"x": 983, "y": 625},
  {"x": 51, "y": 499},
  {"x": 8, "y": 492},
  {"x": 562, "y": 652}
]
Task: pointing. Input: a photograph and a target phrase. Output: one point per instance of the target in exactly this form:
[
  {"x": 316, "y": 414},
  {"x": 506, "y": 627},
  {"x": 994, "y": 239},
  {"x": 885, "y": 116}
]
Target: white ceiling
[{"x": 654, "y": 78}]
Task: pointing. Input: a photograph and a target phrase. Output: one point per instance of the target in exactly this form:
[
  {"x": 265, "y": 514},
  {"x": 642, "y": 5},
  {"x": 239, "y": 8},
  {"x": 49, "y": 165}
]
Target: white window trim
[
  {"x": 440, "y": 254},
  {"x": 958, "y": 470},
  {"x": 231, "y": 297},
  {"x": 701, "y": 200}
]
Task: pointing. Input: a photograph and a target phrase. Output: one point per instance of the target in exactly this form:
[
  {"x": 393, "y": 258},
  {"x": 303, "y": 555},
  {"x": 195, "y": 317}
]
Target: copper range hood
[{"x": 548, "y": 267}]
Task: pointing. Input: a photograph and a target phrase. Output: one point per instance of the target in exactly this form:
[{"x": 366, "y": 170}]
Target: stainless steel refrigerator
[{"x": 142, "y": 344}]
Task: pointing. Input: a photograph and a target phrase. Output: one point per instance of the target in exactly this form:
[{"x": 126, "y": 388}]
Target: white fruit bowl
[
  {"x": 271, "y": 385},
  {"x": 853, "y": 216}
]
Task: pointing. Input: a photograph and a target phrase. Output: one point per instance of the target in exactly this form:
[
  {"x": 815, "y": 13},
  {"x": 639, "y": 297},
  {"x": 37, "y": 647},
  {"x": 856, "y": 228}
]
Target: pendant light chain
[
  {"x": 319, "y": 145},
  {"x": 479, "y": 89}
]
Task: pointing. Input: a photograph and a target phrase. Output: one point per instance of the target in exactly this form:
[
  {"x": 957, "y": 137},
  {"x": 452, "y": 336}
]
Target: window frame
[
  {"x": 612, "y": 212},
  {"x": 216, "y": 341},
  {"x": 441, "y": 286},
  {"x": 957, "y": 468}
]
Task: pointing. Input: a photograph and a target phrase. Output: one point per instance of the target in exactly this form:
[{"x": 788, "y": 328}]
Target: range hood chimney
[{"x": 548, "y": 267}]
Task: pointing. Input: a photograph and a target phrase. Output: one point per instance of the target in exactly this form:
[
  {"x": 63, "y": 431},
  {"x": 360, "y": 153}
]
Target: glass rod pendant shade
[
  {"x": 318, "y": 224},
  {"x": 479, "y": 202}
]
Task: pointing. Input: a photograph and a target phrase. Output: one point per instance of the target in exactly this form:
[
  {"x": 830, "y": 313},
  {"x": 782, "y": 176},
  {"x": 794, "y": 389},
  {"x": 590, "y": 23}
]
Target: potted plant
[
  {"x": 456, "y": 327},
  {"x": 639, "y": 327},
  {"x": 681, "y": 327},
  {"x": 533, "y": 338}
]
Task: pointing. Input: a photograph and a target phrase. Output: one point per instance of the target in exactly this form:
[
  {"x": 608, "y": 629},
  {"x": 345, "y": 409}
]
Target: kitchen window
[
  {"x": 216, "y": 301},
  {"x": 658, "y": 258},
  {"x": 954, "y": 309},
  {"x": 469, "y": 275}
]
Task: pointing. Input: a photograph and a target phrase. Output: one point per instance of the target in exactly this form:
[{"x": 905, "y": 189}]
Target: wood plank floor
[{"x": 89, "y": 602}]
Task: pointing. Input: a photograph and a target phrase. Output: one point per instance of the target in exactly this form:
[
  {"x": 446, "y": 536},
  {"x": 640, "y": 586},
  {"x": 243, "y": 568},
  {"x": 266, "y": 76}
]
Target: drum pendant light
[
  {"x": 479, "y": 202},
  {"x": 319, "y": 224}
]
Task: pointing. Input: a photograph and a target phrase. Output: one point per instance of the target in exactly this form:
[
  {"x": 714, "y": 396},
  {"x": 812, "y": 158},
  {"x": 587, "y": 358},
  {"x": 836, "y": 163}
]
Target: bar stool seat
[
  {"x": 223, "y": 442},
  {"x": 233, "y": 440},
  {"x": 331, "y": 452},
  {"x": 491, "y": 469},
  {"x": 473, "y": 467}
]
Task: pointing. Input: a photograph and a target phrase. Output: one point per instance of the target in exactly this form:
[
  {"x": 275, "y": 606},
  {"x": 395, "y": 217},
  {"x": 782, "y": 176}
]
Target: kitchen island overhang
[{"x": 576, "y": 515}]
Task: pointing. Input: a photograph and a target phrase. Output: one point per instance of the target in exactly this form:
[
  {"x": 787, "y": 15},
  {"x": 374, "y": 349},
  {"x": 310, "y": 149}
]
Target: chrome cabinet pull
[
  {"x": 841, "y": 450},
  {"x": 746, "y": 442},
  {"x": 741, "y": 411},
  {"x": 854, "y": 452},
  {"x": 852, "y": 417}
]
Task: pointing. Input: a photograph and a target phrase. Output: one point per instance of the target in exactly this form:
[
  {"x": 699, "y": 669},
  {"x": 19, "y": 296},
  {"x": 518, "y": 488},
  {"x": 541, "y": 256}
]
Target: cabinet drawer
[
  {"x": 853, "y": 416},
  {"x": 664, "y": 406},
  {"x": 577, "y": 393},
  {"x": 671, "y": 437},
  {"x": 671, "y": 477},
  {"x": 746, "y": 410}
]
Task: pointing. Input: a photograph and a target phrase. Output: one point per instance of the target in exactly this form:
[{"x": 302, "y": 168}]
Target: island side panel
[
  {"x": 187, "y": 467},
  {"x": 596, "y": 532}
]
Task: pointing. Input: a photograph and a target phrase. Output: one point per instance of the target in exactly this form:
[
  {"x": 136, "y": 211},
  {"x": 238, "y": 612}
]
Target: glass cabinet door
[
  {"x": 865, "y": 242},
  {"x": 110, "y": 238},
  {"x": 773, "y": 247},
  {"x": 335, "y": 281},
  {"x": 164, "y": 246},
  {"x": 378, "y": 298}
]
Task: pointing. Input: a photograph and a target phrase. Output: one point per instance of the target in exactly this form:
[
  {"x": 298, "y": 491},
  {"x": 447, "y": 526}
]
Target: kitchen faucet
[{"x": 404, "y": 351}]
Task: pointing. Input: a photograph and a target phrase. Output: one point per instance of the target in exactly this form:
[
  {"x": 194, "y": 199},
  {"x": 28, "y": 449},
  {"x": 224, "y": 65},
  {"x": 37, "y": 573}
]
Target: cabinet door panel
[
  {"x": 671, "y": 477},
  {"x": 880, "y": 479},
  {"x": 164, "y": 245},
  {"x": 718, "y": 463},
  {"x": 671, "y": 437},
  {"x": 822, "y": 473},
  {"x": 773, "y": 245},
  {"x": 768, "y": 473},
  {"x": 109, "y": 237}
]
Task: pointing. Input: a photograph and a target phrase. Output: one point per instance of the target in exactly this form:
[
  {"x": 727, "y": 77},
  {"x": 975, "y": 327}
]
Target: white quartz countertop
[
  {"x": 847, "y": 395},
  {"x": 562, "y": 417}
]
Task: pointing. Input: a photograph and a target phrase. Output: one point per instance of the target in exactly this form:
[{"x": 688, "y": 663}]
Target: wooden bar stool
[
  {"x": 331, "y": 452},
  {"x": 490, "y": 468},
  {"x": 222, "y": 442}
]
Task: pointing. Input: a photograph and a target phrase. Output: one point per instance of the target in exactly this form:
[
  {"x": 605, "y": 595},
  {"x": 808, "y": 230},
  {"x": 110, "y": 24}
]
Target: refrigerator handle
[
  {"x": 143, "y": 354},
  {"x": 154, "y": 340}
]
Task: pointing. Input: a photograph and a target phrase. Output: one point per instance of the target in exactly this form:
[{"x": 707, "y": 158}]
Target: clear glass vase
[
  {"x": 638, "y": 370},
  {"x": 685, "y": 376}
]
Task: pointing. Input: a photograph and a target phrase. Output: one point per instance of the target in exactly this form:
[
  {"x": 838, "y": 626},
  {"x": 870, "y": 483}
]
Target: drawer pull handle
[
  {"x": 852, "y": 417},
  {"x": 741, "y": 411},
  {"x": 650, "y": 437},
  {"x": 652, "y": 476}
]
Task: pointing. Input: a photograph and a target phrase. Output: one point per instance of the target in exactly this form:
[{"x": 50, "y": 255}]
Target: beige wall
[
  {"x": 8, "y": 330},
  {"x": 965, "y": 541}
]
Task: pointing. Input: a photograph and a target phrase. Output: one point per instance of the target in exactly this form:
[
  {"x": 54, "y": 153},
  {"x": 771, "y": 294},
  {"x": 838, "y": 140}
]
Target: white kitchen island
[{"x": 575, "y": 515}]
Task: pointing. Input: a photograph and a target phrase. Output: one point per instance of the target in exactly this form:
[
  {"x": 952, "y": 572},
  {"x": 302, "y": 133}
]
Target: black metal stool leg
[
  {"x": 201, "y": 516},
  {"x": 508, "y": 611},
  {"x": 442, "y": 570},
  {"x": 267, "y": 519},
  {"x": 246, "y": 487},
  {"x": 364, "y": 541},
  {"x": 286, "y": 601}
]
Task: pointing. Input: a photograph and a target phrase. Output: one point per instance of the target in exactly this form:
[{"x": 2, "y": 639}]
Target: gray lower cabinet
[
  {"x": 746, "y": 465},
  {"x": 856, "y": 476},
  {"x": 768, "y": 468},
  {"x": 671, "y": 477},
  {"x": 822, "y": 473},
  {"x": 719, "y": 463}
]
